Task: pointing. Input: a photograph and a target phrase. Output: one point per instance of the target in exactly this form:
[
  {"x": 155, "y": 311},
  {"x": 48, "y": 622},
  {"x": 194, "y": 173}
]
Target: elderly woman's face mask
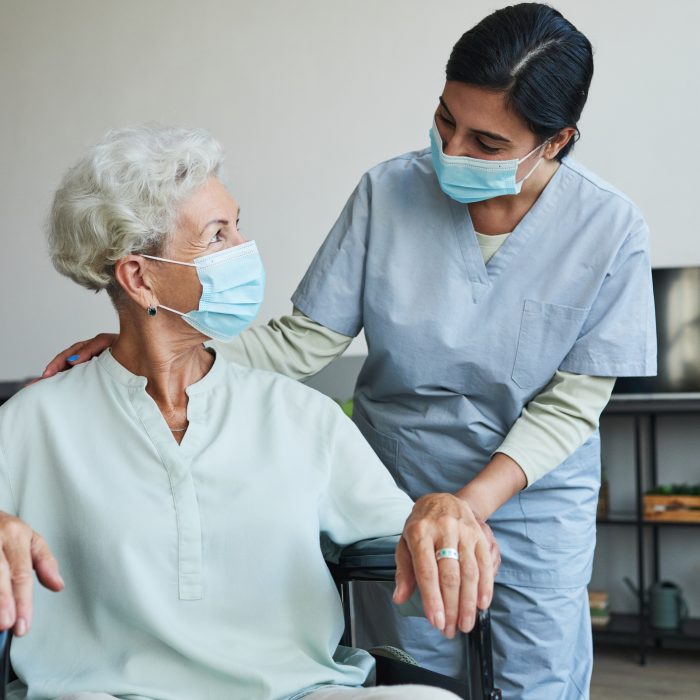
[{"x": 233, "y": 285}]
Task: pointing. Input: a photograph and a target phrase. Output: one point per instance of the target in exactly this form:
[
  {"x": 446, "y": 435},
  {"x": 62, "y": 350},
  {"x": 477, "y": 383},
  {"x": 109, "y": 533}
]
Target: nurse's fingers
[
  {"x": 60, "y": 362},
  {"x": 405, "y": 578},
  {"x": 78, "y": 353}
]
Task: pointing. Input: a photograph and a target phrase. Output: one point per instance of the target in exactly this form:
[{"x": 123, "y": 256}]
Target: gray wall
[{"x": 304, "y": 96}]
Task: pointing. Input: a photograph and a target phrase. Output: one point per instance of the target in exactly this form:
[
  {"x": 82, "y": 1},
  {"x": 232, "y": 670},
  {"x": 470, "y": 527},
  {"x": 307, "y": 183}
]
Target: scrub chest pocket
[{"x": 547, "y": 334}]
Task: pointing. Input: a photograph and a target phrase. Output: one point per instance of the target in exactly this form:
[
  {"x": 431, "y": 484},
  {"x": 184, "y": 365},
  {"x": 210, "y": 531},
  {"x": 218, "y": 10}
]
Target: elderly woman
[{"x": 182, "y": 496}]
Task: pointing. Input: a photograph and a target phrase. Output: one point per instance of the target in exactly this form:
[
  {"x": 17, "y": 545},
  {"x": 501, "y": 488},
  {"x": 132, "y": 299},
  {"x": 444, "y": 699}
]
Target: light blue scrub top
[{"x": 457, "y": 347}]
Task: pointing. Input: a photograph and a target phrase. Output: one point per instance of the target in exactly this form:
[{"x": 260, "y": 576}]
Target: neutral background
[{"x": 305, "y": 96}]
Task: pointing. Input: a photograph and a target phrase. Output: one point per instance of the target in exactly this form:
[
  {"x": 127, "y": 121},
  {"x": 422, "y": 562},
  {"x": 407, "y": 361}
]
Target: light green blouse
[{"x": 191, "y": 570}]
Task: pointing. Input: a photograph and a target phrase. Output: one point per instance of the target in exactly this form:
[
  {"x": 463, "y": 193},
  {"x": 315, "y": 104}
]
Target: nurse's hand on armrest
[
  {"x": 79, "y": 352},
  {"x": 21, "y": 551},
  {"x": 451, "y": 589}
]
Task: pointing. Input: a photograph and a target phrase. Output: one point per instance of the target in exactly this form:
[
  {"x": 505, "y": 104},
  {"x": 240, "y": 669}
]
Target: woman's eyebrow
[
  {"x": 488, "y": 134},
  {"x": 491, "y": 135},
  {"x": 445, "y": 107},
  {"x": 223, "y": 222}
]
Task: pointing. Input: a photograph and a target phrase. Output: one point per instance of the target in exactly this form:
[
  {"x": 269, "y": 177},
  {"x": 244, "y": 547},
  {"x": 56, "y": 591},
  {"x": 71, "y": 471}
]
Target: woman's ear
[
  {"x": 133, "y": 276},
  {"x": 558, "y": 142}
]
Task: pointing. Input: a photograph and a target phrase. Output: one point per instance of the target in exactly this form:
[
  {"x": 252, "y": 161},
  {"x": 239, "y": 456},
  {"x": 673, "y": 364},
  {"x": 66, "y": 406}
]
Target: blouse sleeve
[{"x": 360, "y": 500}]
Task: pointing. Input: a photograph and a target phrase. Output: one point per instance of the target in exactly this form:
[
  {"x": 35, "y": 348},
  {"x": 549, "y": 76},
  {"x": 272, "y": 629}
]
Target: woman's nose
[{"x": 454, "y": 146}]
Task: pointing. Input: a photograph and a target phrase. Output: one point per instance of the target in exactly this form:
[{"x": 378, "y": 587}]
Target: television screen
[{"x": 677, "y": 301}]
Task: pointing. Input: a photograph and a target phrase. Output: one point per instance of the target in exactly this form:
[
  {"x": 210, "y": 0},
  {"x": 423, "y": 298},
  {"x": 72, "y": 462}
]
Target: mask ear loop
[
  {"x": 152, "y": 309},
  {"x": 539, "y": 160},
  {"x": 168, "y": 260}
]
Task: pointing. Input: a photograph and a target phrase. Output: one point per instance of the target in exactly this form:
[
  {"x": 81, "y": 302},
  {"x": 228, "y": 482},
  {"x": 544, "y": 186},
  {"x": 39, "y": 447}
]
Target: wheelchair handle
[{"x": 5, "y": 641}]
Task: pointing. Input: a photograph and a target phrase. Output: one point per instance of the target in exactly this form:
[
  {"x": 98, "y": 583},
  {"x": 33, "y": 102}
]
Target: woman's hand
[
  {"x": 451, "y": 589},
  {"x": 21, "y": 551},
  {"x": 78, "y": 353}
]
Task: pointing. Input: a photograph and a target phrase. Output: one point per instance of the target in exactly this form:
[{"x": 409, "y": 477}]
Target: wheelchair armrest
[
  {"x": 5, "y": 641},
  {"x": 367, "y": 560}
]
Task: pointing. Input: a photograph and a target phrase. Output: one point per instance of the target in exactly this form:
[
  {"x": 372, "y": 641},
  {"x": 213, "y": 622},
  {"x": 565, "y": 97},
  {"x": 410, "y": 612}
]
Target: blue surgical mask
[
  {"x": 233, "y": 285},
  {"x": 469, "y": 180}
]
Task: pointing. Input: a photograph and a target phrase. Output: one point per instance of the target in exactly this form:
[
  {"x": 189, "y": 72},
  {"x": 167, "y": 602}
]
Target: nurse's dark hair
[{"x": 535, "y": 56}]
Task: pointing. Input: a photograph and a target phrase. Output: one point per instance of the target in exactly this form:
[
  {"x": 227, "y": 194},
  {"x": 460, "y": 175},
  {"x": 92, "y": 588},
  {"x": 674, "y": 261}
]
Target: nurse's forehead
[{"x": 483, "y": 109}]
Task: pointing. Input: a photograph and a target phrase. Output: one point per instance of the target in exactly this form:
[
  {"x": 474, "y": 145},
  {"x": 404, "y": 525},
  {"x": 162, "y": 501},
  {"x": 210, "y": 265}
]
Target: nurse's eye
[
  {"x": 485, "y": 148},
  {"x": 445, "y": 119},
  {"x": 217, "y": 237}
]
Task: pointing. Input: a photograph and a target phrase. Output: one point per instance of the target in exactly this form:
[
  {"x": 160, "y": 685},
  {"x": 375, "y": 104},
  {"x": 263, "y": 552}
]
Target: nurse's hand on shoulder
[
  {"x": 79, "y": 352},
  {"x": 22, "y": 551},
  {"x": 451, "y": 589}
]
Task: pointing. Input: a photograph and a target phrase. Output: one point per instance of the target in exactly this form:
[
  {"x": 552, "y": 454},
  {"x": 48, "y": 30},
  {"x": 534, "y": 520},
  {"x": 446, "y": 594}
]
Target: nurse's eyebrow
[
  {"x": 445, "y": 107},
  {"x": 491, "y": 135},
  {"x": 488, "y": 134}
]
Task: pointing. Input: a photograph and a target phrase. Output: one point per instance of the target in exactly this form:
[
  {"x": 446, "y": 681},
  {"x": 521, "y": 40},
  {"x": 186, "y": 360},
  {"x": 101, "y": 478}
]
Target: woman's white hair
[{"x": 123, "y": 197}]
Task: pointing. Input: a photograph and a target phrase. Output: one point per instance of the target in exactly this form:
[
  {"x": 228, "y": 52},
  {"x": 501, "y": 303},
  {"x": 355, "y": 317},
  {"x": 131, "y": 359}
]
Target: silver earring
[{"x": 152, "y": 311}]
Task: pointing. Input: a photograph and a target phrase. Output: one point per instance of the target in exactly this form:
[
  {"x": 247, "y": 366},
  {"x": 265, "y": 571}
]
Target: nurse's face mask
[
  {"x": 468, "y": 180},
  {"x": 233, "y": 285}
]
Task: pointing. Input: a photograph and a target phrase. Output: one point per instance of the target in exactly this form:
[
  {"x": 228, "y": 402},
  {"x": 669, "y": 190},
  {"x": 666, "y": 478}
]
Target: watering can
[{"x": 664, "y": 604}]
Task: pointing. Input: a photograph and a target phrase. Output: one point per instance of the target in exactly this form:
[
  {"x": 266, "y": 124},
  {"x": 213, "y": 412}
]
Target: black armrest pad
[{"x": 375, "y": 552}]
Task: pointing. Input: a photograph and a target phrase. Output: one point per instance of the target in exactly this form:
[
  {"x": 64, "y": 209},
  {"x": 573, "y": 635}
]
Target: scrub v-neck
[{"x": 481, "y": 275}]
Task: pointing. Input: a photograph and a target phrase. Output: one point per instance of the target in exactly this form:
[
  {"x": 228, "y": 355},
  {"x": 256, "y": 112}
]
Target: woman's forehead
[
  {"x": 211, "y": 202},
  {"x": 483, "y": 109}
]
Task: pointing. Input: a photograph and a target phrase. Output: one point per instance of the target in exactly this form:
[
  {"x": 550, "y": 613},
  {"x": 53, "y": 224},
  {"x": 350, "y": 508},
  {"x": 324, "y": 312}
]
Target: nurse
[{"x": 502, "y": 288}]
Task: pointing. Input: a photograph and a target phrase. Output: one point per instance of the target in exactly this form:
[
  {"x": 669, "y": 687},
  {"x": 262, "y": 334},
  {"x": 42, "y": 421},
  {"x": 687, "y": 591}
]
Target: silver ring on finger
[{"x": 447, "y": 553}]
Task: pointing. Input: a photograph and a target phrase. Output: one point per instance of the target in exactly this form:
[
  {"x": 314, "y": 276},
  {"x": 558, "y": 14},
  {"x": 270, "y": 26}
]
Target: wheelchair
[{"x": 373, "y": 560}]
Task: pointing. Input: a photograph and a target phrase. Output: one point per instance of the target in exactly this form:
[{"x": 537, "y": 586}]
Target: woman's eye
[
  {"x": 485, "y": 148},
  {"x": 217, "y": 237},
  {"x": 447, "y": 121}
]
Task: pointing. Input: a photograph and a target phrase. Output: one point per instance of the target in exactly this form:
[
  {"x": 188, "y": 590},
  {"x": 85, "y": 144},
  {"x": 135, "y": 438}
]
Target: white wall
[{"x": 305, "y": 96}]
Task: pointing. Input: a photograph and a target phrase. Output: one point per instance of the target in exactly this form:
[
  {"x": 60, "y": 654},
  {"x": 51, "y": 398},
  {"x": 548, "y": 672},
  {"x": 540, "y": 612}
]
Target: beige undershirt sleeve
[
  {"x": 292, "y": 345},
  {"x": 560, "y": 418},
  {"x": 556, "y": 422}
]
